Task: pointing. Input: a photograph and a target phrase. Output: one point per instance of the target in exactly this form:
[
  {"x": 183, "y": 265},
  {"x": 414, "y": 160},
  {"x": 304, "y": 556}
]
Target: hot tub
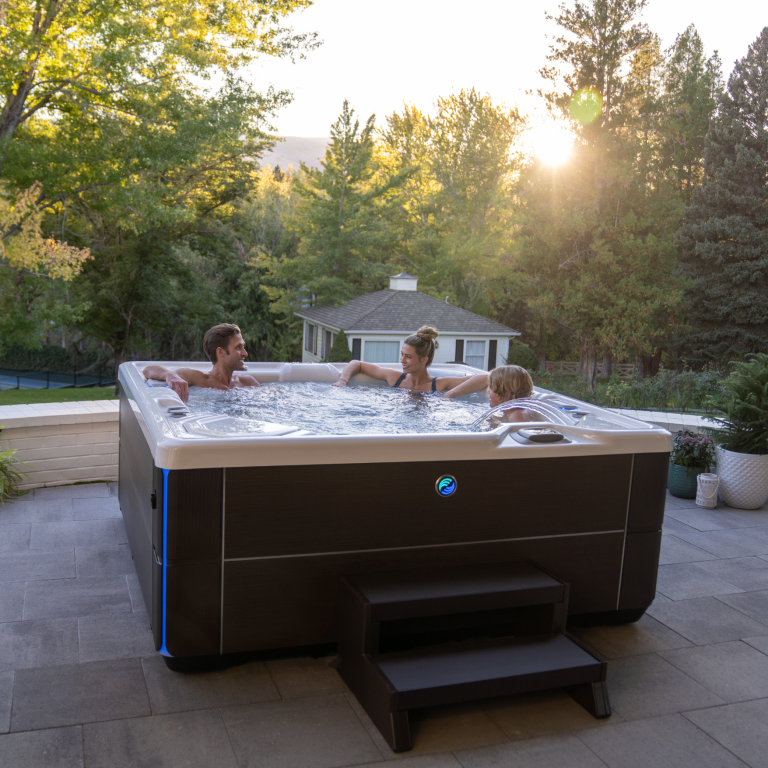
[{"x": 239, "y": 540}]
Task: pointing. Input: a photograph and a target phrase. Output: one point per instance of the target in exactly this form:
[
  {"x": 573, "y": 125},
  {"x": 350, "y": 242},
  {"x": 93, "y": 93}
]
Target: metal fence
[
  {"x": 10, "y": 379},
  {"x": 625, "y": 371}
]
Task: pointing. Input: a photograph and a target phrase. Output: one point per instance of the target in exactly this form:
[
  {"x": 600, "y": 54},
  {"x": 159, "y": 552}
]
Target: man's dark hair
[{"x": 216, "y": 337}]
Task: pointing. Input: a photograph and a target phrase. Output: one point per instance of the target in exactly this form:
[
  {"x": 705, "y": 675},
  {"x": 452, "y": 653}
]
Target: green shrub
[
  {"x": 9, "y": 476},
  {"x": 667, "y": 391},
  {"x": 522, "y": 355},
  {"x": 743, "y": 401},
  {"x": 340, "y": 349}
]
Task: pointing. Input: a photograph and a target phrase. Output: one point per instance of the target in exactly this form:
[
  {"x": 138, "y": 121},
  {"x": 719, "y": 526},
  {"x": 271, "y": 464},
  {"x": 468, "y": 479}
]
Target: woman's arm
[
  {"x": 369, "y": 369},
  {"x": 455, "y": 386}
]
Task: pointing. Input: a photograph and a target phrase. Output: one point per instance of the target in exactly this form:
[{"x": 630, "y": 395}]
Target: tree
[
  {"x": 724, "y": 239},
  {"x": 342, "y": 222},
  {"x": 260, "y": 233},
  {"x": 66, "y": 56},
  {"x": 103, "y": 105},
  {"x": 597, "y": 251},
  {"x": 691, "y": 85},
  {"x": 340, "y": 349},
  {"x": 455, "y": 209},
  {"x": 29, "y": 263}
]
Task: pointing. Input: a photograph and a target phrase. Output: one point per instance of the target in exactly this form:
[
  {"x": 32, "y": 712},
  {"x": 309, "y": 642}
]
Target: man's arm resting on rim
[{"x": 178, "y": 380}]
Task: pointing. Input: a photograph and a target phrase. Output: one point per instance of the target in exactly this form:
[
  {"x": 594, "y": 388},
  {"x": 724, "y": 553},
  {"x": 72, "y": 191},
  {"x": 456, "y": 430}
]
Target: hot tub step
[
  {"x": 410, "y": 594},
  {"x": 414, "y": 611},
  {"x": 465, "y": 671}
]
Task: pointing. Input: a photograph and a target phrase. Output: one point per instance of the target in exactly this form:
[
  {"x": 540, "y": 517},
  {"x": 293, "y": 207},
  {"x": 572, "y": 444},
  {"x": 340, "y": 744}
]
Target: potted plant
[
  {"x": 742, "y": 434},
  {"x": 691, "y": 455}
]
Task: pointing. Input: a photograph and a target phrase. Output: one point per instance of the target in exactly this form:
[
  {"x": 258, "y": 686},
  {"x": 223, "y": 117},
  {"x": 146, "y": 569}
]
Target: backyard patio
[{"x": 81, "y": 685}]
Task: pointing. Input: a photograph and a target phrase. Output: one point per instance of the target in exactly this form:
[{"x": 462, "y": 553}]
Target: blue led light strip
[{"x": 163, "y": 647}]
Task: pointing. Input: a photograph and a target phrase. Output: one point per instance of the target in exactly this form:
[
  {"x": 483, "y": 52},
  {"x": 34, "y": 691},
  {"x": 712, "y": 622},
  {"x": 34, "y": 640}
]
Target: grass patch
[{"x": 66, "y": 395}]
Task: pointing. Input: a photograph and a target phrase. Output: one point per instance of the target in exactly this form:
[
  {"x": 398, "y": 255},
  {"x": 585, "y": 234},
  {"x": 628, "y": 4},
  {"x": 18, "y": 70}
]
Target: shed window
[
  {"x": 327, "y": 343},
  {"x": 475, "y": 354},
  {"x": 382, "y": 351},
  {"x": 310, "y": 338}
]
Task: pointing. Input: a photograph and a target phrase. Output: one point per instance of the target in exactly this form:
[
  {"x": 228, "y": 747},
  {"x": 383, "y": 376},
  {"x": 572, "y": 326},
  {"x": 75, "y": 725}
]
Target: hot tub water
[{"x": 327, "y": 410}]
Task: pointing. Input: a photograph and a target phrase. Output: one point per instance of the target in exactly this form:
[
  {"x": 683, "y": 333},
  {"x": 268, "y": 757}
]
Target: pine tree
[
  {"x": 692, "y": 84},
  {"x": 724, "y": 239},
  {"x": 597, "y": 249},
  {"x": 340, "y": 349},
  {"x": 341, "y": 219}
]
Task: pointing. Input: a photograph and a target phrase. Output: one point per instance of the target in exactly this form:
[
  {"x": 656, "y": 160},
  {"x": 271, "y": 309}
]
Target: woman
[
  {"x": 507, "y": 382},
  {"x": 416, "y": 356}
]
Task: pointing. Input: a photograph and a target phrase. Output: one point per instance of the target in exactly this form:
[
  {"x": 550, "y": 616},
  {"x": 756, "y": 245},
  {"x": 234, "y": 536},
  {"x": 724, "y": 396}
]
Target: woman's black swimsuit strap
[{"x": 400, "y": 380}]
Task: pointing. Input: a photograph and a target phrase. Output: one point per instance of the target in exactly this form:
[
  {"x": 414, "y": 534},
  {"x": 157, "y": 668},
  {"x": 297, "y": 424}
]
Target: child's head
[{"x": 509, "y": 382}]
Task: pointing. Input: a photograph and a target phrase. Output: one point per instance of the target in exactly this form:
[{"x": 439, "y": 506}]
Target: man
[{"x": 224, "y": 347}]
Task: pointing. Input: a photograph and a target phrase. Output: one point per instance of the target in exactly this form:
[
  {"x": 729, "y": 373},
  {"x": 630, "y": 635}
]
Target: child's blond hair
[{"x": 510, "y": 382}]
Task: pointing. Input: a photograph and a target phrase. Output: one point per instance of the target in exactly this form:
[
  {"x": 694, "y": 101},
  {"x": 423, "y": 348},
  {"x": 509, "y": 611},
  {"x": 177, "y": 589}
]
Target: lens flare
[{"x": 585, "y": 105}]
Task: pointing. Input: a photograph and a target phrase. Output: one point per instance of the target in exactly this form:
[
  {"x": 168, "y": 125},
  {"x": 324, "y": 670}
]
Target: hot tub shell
[{"x": 239, "y": 542}]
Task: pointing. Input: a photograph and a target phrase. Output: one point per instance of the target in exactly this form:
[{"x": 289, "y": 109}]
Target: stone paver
[{"x": 81, "y": 684}]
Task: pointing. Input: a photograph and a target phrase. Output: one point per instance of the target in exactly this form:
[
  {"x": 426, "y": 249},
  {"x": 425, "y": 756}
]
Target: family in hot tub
[{"x": 224, "y": 347}]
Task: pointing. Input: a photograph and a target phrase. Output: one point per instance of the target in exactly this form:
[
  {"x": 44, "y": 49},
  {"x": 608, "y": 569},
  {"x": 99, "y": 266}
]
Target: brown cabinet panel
[
  {"x": 194, "y": 515},
  {"x": 332, "y": 508},
  {"x": 649, "y": 490},
  {"x": 289, "y": 601},
  {"x": 193, "y": 609},
  {"x": 641, "y": 567}
]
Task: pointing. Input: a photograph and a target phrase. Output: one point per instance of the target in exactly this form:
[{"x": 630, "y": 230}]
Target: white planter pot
[{"x": 743, "y": 478}]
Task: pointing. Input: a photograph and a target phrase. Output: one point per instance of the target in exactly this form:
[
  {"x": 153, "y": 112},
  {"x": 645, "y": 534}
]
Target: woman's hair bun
[{"x": 427, "y": 332}]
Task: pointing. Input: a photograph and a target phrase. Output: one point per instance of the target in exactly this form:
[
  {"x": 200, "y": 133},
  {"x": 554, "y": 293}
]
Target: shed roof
[{"x": 402, "y": 312}]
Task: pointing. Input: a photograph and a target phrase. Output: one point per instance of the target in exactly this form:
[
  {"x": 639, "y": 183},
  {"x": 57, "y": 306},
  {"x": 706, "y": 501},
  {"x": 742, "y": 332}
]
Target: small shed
[{"x": 377, "y": 323}]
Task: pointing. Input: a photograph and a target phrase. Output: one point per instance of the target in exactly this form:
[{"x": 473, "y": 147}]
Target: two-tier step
[{"x": 423, "y": 638}]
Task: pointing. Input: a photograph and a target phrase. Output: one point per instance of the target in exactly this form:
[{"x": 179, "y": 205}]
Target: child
[{"x": 507, "y": 382}]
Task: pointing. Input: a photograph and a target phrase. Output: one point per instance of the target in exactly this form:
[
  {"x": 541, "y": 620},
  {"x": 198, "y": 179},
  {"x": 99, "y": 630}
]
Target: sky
[{"x": 380, "y": 54}]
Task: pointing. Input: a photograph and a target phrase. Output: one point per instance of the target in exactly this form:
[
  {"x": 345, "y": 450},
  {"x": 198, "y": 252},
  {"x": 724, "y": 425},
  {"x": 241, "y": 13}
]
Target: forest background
[{"x": 134, "y": 213}]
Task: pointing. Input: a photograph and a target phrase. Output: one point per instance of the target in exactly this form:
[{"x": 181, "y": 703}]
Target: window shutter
[
  {"x": 492, "y": 354},
  {"x": 459, "y": 356},
  {"x": 356, "y": 348}
]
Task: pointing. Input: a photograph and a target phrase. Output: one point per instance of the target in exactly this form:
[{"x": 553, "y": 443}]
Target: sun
[{"x": 551, "y": 143}]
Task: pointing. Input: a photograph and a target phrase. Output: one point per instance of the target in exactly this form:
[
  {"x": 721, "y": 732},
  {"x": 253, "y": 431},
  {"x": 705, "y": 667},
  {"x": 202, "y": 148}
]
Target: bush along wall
[
  {"x": 667, "y": 391},
  {"x": 522, "y": 355}
]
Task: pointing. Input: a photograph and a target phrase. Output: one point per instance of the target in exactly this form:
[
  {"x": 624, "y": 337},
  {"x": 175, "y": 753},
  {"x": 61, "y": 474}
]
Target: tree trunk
[
  {"x": 588, "y": 362},
  {"x": 640, "y": 371},
  {"x": 590, "y": 365},
  {"x": 542, "y": 360},
  {"x": 121, "y": 356},
  {"x": 651, "y": 363},
  {"x": 607, "y": 369}
]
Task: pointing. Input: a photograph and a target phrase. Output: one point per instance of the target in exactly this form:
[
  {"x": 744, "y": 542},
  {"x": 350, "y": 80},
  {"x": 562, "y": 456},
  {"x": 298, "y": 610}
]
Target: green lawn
[{"x": 66, "y": 395}]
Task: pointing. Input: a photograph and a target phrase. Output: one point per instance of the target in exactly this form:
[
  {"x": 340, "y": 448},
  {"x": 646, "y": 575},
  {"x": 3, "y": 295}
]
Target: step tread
[
  {"x": 404, "y": 586},
  {"x": 466, "y": 663}
]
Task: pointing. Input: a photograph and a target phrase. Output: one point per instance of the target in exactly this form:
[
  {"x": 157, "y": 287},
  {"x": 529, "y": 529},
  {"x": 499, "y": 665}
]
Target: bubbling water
[{"x": 352, "y": 410}]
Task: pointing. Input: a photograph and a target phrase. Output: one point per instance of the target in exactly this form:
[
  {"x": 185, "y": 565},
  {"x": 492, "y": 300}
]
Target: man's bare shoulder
[
  {"x": 192, "y": 375},
  {"x": 246, "y": 380}
]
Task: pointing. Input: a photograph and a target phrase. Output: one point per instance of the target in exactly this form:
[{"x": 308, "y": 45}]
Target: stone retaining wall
[{"x": 64, "y": 442}]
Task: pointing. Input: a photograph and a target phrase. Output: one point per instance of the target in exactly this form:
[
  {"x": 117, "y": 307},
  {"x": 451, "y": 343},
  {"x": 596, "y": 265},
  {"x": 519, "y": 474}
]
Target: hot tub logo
[{"x": 446, "y": 485}]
